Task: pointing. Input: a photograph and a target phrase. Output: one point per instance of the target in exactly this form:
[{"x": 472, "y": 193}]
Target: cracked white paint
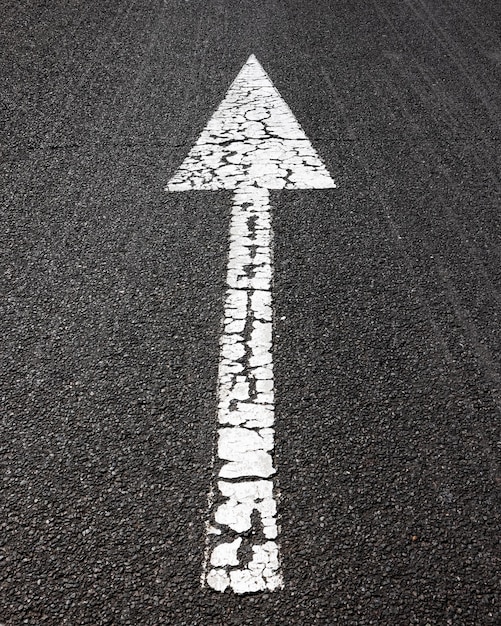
[
  {"x": 253, "y": 139},
  {"x": 252, "y": 144},
  {"x": 226, "y": 553}
]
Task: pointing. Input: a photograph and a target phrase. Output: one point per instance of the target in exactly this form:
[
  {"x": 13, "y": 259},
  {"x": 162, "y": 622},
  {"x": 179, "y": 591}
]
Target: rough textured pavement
[{"x": 387, "y": 319}]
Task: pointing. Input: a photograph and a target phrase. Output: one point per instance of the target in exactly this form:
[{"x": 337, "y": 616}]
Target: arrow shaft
[{"x": 242, "y": 552}]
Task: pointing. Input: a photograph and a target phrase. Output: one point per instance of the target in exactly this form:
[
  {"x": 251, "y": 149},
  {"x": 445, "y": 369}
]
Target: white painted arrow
[{"x": 252, "y": 143}]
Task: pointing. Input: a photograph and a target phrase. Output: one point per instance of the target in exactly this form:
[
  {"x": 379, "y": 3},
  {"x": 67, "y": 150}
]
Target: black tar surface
[{"x": 387, "y": 311}]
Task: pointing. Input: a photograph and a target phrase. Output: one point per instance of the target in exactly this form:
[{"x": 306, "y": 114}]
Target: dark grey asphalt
[{"x": 387, "y": 320}]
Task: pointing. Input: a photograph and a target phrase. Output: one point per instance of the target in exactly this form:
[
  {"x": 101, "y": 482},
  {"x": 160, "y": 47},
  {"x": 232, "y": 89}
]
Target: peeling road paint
[{"x": 252, "y": 144}]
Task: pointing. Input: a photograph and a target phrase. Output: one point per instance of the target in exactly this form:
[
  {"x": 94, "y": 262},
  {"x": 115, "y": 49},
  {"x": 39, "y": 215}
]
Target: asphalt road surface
[{"x": 387, "y": 311}]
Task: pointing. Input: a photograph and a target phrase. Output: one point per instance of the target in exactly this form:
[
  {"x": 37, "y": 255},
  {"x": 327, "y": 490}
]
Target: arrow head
[{"x": 253, "y": 139}]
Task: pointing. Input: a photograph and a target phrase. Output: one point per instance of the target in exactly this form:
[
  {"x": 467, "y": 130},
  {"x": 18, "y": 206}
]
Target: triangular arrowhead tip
[{"x": 253, "y": 138}]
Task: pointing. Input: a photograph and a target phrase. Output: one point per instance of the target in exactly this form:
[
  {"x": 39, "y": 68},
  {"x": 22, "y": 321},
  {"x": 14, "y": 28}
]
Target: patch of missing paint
[{"x": 252, "y": 139}]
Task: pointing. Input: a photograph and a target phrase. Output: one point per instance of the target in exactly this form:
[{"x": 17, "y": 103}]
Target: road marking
[{"x": 252, "y": 144}]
